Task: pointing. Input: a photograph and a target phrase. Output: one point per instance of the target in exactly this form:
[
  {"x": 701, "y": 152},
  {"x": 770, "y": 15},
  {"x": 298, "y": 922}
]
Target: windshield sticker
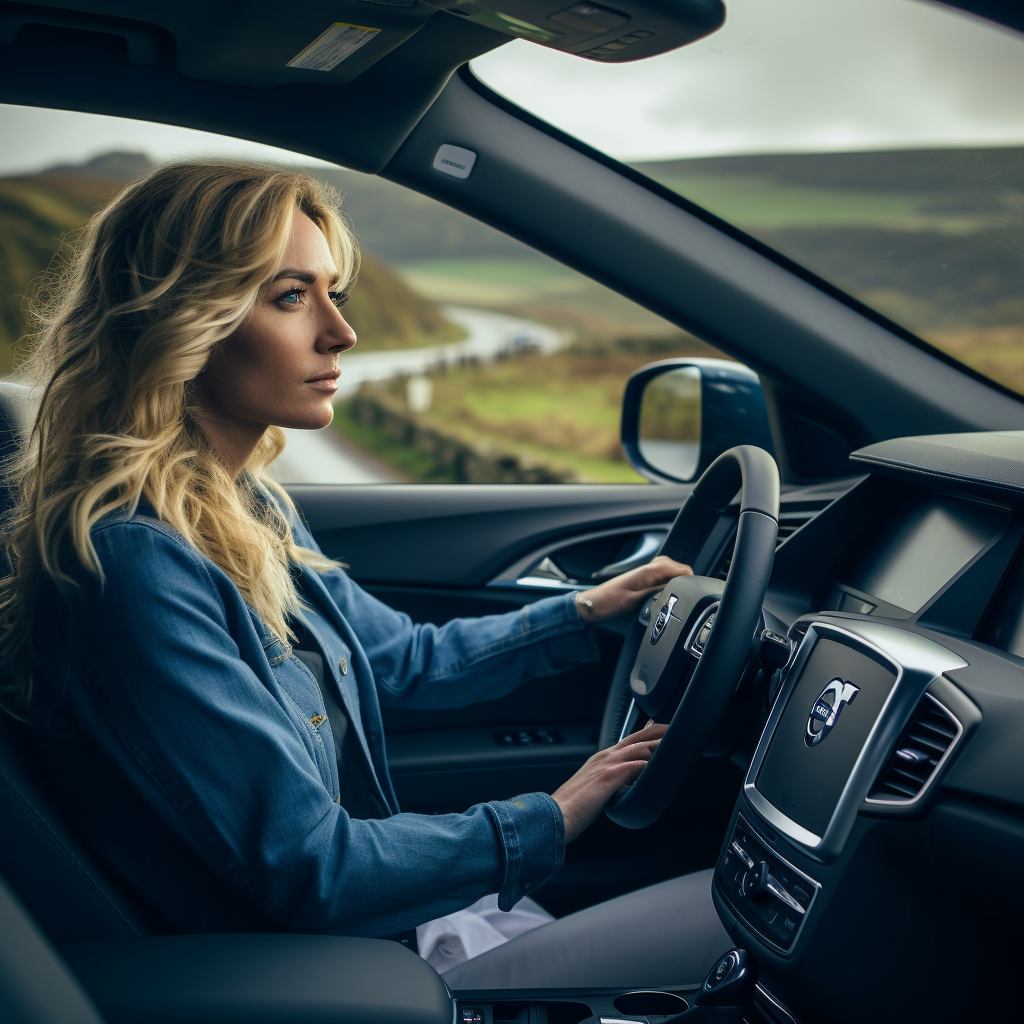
[{"x": 330, "y": 48}]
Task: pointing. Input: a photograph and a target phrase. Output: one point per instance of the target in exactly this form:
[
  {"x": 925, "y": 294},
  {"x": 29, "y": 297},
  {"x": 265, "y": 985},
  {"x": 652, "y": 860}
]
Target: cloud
[
  {"x": 786, "y": 75},
  {"x": 38, "y": 137}
]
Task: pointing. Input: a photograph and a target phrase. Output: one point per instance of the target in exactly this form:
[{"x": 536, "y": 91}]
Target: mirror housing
[{"x": 665, "y": 441}]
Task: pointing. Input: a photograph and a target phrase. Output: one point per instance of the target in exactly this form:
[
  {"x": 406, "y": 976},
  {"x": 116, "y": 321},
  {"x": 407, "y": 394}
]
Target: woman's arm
[
  {"x": 466, "y": 660},
  {"x": 178, "y": 693}
]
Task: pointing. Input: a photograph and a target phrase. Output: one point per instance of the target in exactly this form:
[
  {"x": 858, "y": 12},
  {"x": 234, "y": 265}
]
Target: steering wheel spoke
[{"x": 664, "y": 661}]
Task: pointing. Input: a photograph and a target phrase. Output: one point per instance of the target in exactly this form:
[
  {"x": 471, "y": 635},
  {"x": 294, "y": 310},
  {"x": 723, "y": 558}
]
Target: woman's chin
[{"x": 310, "y": 419}]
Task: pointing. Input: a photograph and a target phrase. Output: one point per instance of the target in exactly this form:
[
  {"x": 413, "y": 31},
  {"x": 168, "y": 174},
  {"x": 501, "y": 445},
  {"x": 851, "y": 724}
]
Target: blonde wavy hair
[{"x": 121, "y": 329}]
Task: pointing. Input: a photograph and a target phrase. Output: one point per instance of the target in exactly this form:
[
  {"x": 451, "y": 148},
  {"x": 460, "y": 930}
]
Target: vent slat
[
  {"x": 902, "y": 789},
  {"x": 928, "y": 742},
  {"x": 931, "y": 731},
  {"x": 789, "y": 523}
]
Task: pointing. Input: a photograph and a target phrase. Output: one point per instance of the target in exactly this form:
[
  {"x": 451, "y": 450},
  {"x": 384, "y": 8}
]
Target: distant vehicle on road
[{"x": 522, "y": 342}]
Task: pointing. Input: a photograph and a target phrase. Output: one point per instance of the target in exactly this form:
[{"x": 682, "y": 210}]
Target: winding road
[{"x": 326, "y": 457}]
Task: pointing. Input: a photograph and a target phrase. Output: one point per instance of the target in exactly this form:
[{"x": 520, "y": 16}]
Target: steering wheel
[{"x": 696, "y": 633}]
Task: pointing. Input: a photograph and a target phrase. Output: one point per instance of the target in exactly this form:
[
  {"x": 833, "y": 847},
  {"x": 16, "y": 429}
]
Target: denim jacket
[{"x": 194, "y": 751}]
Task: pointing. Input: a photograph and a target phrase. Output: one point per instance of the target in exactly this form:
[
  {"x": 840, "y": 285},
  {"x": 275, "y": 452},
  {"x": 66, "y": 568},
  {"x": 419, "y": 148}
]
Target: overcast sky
[
  {"x": 782, "y": 75},
  {"x": 787, "y": 75}
]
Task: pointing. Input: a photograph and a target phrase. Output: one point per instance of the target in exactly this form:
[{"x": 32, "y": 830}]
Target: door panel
[{"x": 463, "y": 535}]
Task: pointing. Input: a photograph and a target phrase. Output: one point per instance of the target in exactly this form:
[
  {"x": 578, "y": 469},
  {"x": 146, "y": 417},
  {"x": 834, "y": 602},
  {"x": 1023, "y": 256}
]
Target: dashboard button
[{"x": 754, "y": 881}]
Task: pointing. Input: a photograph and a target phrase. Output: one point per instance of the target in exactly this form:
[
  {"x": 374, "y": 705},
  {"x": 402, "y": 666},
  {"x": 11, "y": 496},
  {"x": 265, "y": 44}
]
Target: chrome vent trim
[{"x": 921, "y": 750}]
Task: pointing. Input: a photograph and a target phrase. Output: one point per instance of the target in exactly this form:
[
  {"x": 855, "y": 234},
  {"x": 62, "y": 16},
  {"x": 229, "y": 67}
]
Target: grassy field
[
  {"x": 539, "y": 289},
  {"x": 561, "y": 410},
  {"x": 932, "y": 239}
]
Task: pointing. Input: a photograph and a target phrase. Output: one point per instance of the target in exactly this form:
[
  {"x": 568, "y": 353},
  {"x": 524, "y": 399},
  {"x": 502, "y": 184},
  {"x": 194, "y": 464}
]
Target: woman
[{"x": 211, "y": 714}]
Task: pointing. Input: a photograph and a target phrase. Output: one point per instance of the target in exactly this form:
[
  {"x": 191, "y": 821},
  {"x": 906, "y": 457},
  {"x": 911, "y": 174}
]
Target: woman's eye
[
  {"x": 292, "y": 297},
  {"x": 339, "y": 298}
]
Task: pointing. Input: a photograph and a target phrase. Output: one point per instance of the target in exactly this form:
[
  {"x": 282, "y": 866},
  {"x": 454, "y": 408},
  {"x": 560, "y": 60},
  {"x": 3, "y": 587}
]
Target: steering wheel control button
[
  {"x": 767, "y": 893},
  {"x": 703, "y": 634},
  {"x": 471, "y": 1015}
]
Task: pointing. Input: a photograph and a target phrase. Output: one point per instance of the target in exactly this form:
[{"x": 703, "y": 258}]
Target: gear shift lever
[{"x": 727, "y": 994}]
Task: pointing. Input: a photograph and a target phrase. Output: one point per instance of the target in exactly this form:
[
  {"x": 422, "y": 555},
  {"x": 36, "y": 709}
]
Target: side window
[{"x": 479, "y": 360}]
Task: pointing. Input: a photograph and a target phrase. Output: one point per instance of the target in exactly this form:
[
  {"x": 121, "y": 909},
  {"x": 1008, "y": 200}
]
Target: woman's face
[{"x": 280, "y": 367}]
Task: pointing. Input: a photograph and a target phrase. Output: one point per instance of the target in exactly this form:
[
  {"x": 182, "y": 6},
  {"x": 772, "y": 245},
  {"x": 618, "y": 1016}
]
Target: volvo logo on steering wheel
[
  {"x": 662, "y": 620},
  {"x": 827, "y": 709}
]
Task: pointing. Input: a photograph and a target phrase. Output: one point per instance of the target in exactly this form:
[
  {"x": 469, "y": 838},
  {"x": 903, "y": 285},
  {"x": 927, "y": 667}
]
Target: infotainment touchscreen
[
  {"x": 922, "y": 545},
  {"x": 821, "y": 732}
]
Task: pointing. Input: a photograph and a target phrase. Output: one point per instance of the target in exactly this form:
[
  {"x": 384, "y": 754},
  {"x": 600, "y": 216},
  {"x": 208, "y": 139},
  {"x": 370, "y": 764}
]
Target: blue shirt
[{"x": 194, "y": 754}]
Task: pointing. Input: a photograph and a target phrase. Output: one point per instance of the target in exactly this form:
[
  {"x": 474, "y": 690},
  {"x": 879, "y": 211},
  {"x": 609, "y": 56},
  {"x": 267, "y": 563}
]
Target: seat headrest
[{"x": 18, "y": 405}]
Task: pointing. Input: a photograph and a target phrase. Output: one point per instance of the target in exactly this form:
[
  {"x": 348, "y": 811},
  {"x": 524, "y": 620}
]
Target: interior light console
[
  {"x": 616, "y": 31},
  {"x": 848, "y": 696}
]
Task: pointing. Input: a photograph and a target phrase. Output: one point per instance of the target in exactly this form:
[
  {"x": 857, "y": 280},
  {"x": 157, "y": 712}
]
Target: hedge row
[{"x": 452, "y": 458}]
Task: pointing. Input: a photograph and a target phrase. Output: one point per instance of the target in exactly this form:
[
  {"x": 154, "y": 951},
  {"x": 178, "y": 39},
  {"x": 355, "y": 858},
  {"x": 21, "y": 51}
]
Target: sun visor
[
  {"x": 327, "y": 43},
  {"x": 622, "y": 30}
]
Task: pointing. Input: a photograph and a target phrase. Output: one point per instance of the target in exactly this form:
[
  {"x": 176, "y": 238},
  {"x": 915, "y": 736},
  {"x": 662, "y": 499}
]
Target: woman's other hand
[
  {"x": 583, "y": 797},
  {"x": 626, "y": 592}
]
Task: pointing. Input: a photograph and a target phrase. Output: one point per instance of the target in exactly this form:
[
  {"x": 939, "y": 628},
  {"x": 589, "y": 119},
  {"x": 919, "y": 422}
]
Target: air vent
[
  {"x": 789, "y": 523},
  {"x": 920, "y": 750}
]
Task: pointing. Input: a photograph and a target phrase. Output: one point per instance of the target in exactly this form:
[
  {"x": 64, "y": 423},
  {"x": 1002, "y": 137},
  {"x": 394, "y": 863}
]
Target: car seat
[{"x": 41, "y": 860}]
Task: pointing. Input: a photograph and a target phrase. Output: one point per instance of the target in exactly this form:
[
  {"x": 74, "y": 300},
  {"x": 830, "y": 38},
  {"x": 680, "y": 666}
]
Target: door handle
[{"x": 647, "y": 547}]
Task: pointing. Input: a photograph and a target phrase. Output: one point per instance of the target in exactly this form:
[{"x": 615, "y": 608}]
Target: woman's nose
[{"x": 337, "y": 335}]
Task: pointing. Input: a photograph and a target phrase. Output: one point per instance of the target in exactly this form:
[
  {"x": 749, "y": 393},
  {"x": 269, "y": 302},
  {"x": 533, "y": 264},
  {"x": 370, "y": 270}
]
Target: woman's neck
[{"x": 233, "y": 440}]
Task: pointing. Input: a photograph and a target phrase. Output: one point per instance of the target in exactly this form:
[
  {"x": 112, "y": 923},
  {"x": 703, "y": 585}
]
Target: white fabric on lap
[{"x": 449, "y": 941}]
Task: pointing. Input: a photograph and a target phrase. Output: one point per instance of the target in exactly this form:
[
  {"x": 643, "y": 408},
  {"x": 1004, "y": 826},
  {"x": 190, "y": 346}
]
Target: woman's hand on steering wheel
[
  {"x": 626, "y": 592},
  {"x": 584, "y": 796}
]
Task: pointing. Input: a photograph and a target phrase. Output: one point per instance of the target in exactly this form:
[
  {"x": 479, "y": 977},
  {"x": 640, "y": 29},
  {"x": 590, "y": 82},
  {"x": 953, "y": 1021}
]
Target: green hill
[{"x": 36, "y": 211}]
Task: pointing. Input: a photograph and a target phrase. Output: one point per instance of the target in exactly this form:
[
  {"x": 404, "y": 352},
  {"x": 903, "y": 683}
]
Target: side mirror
[{"x": 679, "y": 415}]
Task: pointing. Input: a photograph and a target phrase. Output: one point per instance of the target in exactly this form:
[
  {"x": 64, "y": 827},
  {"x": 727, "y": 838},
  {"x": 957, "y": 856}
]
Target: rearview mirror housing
[{"x": 679, "y": 415}]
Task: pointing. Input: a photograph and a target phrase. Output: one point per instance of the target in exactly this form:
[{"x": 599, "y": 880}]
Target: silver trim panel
[
  {"x": 519, "y": 574},
  {"x": 917, "y": 662},
  {"x": 785, "y": 1016},
  {"x": 629, "y": 725}
]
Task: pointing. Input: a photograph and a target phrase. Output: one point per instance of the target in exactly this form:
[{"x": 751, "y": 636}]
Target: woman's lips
[{"x": 326, "y": 381}]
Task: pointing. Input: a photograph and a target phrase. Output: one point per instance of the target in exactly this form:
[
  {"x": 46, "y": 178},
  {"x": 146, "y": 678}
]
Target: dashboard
[{"x": 876, "y": 839}]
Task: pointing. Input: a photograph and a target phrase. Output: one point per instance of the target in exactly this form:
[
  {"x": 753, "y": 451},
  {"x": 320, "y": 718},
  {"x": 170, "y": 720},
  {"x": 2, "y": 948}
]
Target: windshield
[{"x": 879, "y": 143}]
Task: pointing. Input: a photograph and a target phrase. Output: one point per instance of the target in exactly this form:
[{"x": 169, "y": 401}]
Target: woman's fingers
[
  {"x": 625, "y": 592},
  {"x": 583, "y": 797}
]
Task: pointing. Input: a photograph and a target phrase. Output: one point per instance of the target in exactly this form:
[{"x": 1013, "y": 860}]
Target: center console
[{"x": 861, "y": 729}]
